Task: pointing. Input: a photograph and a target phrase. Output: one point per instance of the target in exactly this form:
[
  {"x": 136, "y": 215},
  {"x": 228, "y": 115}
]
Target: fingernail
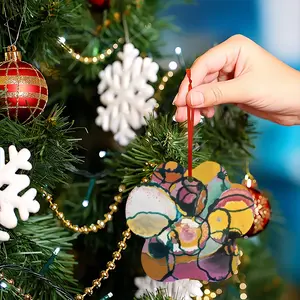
[
  {"x": 175, "y": 116},
  {"x": 197, "y": 99},
  {"x": 173, "y": 103}
]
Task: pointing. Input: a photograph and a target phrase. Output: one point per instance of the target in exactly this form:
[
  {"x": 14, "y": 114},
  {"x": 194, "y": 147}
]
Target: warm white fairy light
[
  {"x": 243, "y": 286},
  {"x": 161, "y": 87},
  {"x": 167, "y": 76}
]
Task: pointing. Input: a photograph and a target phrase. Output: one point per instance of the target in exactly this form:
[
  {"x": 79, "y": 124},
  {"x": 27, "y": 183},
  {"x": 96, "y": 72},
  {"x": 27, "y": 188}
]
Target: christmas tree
[{"x": 97, "y": 126}]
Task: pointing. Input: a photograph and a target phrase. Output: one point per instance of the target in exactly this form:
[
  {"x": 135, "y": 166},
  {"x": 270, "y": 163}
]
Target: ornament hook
[
  {"x": 249, "y": 180},
  {"x": 12, "y": 53}
]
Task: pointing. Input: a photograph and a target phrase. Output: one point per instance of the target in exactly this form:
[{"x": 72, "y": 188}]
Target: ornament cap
[
  {"x": 249, "y": 181},
  {"x": 12, "y": 54}
]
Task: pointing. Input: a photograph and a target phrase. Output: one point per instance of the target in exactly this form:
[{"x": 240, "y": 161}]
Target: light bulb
[
  {"x": 3, "y": 285},
  {"x": 85, "y": 203},
  {"x": 173, "y": 65},
  {"x": 56, "y": 251},
  {"x": 62, "y": 39},
  {"x": 102, "y": 154},
  {"x": 178, "y": 50}
]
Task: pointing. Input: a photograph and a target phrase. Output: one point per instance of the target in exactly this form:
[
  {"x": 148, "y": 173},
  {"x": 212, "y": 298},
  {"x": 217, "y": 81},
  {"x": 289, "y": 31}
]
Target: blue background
[{"x": 277, "y": 155}]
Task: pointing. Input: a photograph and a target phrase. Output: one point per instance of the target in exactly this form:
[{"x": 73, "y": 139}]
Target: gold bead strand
[
  {"x": 111, "y": 265},
  {"x": 243, "y": 288},
  {"x": 86, "y": 229},
  {"x": 208, "y": 293},
  {"x": 18, "y": 289},
  {"x": 164, "y": 80},
  {"x": 90, "y": 59}
]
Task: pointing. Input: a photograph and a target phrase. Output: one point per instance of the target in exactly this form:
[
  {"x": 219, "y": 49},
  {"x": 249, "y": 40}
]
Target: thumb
[{"x": 216, "y": 93}]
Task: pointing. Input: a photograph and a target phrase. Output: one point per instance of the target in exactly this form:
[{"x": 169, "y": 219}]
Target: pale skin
[{"x": 240, "y": 72}]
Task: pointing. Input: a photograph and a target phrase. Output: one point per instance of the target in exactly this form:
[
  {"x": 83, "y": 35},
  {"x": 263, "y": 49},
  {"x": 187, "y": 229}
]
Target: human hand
[{"x": 240, "y": 72}]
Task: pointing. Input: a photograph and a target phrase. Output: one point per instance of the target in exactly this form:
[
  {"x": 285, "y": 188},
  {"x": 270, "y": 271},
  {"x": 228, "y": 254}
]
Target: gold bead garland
[
  {"x": 18, "y": 289},
  {"x": 164, "y": 80},
  {"x": 100, "y": 224},
  {"x": 91, "y": 59},
  {"x": 111, "y": 265}
]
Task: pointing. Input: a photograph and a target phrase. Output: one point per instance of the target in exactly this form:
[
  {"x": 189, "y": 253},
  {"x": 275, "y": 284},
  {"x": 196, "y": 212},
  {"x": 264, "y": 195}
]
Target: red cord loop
[{"x": 190, "y": 121}]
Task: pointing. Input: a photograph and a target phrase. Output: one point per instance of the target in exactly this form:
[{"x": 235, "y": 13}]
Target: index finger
[{"x": 214, "y": 60}]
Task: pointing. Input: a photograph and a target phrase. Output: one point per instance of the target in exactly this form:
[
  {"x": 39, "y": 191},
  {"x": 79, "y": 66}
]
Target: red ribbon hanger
[{"x": 190, "y": 121}]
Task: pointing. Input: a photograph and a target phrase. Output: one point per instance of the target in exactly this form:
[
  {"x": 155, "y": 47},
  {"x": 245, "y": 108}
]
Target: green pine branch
[
  {"x": 31, "y": 245},
  {"x": 163, "y": 141},
  {"x": 230, "y": 136},
  {"x": 50, "y": 143},
  {"x": 143, "y": 30},
  {"x": 227, "y": 139},
  {"x": 43, "y": 22}
]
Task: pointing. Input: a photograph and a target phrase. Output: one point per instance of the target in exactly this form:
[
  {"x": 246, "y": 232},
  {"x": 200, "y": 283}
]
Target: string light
[
  {"x": 206, "y": 291},
  {"x": 173, "y": 65},
  {"x": 62, "y": 39},
  {"x": 219, "y": 291},
  {"x": 102, "y": 154},
  {"x": 178, "y": 50},
  {"x": 90, "y": 59},
  {"x": 50, "y": 261},
  {"x": 108, "y": 296},
  {"x": 3, "y": 285},
  {"x": 10, "y": 283},
  {"x": 180, "y": 58},
  {"x": 85, "y": 203},
  {"x": 243, "y": 296}
]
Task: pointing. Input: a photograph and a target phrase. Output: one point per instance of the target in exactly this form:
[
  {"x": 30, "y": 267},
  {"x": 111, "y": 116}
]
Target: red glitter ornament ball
[
  {"x": 26, "y": 90},
  {"x": 262, "y": 208}
]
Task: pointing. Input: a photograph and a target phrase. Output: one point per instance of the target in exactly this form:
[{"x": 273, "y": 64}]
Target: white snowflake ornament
[
  {"x": 184, "y": 289},
  {"x": 11, "y": 185},
  {"x": 126, "y": 94}
]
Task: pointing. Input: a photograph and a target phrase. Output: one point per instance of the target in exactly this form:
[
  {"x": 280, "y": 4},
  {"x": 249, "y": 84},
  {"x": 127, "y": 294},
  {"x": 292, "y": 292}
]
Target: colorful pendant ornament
[
  {"x": 190, "y": 219},
  {"x": 190, "y": 223}
]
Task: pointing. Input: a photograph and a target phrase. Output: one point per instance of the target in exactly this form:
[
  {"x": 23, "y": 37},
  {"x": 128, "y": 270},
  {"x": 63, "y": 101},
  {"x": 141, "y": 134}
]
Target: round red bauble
[
  {"x": 103, "y": 4},
  {"x": 262, "y": 208},
  {"x": 26, "y": 90}
]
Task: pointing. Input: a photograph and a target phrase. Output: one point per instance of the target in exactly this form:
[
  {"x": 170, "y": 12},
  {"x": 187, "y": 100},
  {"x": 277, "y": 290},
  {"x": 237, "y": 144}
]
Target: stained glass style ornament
[{"x": 190, "y": 223}]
